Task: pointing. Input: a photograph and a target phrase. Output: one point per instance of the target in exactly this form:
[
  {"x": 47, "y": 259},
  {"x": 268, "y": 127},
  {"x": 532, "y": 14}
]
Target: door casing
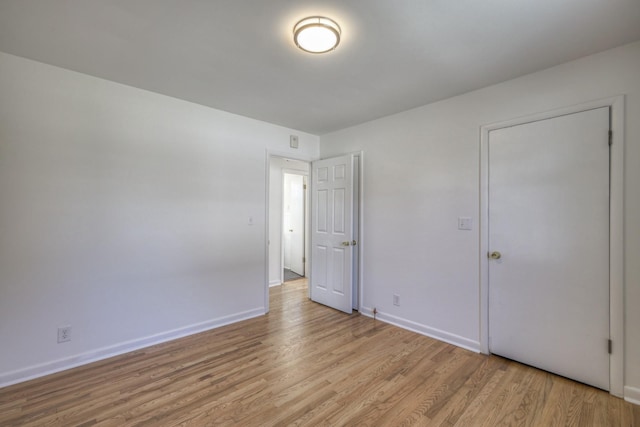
[{"x": 616, "y": 236}]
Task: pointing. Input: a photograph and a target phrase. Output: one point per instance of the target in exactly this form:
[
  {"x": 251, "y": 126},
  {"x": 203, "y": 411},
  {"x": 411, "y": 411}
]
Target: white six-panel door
[
  {"x": 331, "y": 236},
  {"x": 549, "y": 241}
]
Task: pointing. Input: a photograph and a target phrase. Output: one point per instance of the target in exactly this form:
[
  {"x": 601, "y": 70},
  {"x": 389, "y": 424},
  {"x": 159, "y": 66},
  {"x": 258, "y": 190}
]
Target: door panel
[
  {"x": 338, "y": 211},
  {"x": 320, "y": 275},
  {"x": 332, "y": 254},
  {"x": 549, "y": 220},
  {"x": 337, "y": 281},
  {"x": 322, "y": 211}
]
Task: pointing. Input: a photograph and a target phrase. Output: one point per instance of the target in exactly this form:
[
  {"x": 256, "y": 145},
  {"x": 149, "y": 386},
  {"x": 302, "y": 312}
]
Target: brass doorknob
[
  {"x": 495, "y": 255},
  {"x": 346, "y": 243}
]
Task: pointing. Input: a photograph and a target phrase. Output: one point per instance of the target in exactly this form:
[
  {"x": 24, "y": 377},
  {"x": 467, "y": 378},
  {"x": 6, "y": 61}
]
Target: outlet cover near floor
[{"x": 64, "y": 334}]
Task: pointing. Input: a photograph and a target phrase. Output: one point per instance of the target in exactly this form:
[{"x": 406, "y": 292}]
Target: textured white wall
[
  {"x": 122, "y": 214},
  {"x": 422, "y": 172}
]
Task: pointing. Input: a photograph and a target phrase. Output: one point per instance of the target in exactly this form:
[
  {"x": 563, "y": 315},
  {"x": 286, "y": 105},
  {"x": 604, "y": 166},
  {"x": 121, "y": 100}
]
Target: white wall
[
  {"x": 276, "y": 186},
  {"x": 422, "y": 172},
  {"x": 122, "y": 214}
]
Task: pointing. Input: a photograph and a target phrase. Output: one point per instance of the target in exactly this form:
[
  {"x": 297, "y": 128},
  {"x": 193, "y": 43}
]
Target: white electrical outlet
[
  {"x": 396, "y": 299},
  {"x": 64, "y": 334}
]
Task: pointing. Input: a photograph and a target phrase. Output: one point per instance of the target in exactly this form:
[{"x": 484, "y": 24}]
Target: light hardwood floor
[{"x": 305, "y": 364}]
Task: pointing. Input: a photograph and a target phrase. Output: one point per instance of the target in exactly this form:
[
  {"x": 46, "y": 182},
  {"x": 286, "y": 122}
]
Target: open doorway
[
  {"x": 287, "y": 211},
  {"x": 277, "y": 167},
  {"x": 294, "y": 213}
]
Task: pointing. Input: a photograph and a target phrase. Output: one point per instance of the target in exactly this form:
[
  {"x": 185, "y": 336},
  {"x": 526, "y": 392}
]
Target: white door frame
[
  {"x": 268, "y": 155},
  {"x": 616, "y": 236}
]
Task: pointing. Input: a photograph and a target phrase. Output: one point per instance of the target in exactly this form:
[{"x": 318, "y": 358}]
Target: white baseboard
[
  {"x": 273, "y": 283},
  {"x": 424, "y": 330},
  {"x": 31, "y": 372},
  {"x": 632, "y": 395}
]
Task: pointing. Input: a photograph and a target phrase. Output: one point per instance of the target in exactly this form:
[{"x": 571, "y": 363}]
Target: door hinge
[
  {"x": 610, "y": 137},
  {"x": 610, "y": 346},
  {"x": 304, "y": 186},
  {"x": 304, "y": 259}
]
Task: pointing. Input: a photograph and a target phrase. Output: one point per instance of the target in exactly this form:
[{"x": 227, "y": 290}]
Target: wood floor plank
[{"x": 306, "y": 364}]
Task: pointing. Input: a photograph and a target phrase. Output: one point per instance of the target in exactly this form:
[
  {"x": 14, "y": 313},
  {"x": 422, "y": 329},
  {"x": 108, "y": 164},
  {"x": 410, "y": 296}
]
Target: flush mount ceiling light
[{"x": 316, "y": 34}]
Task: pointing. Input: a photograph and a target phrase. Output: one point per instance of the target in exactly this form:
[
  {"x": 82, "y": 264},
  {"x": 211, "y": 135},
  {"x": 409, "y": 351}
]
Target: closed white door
[
  {"x": 331, "y": 236},
  {"x": 294, "y": 226},
  {"x": 549, "y": 245}
]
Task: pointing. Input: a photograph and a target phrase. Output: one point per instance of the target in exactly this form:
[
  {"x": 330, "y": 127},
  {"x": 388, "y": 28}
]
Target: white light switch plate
[{"x": 465, "y": 223}]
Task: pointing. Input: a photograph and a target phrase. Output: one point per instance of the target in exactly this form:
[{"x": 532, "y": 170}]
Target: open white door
[{"x": 331, "y": 235}]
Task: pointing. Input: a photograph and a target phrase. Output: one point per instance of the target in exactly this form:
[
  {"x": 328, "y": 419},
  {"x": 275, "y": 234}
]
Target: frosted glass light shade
[{"x": 316, "y": 34}]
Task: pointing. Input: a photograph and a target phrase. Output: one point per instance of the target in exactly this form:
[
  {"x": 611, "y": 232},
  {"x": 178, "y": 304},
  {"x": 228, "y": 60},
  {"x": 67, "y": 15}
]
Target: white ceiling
[{"x": 239, "y": 56}]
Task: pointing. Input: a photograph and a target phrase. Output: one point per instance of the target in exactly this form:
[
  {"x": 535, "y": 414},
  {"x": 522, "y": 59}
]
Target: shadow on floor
[{"x": 290, "y": 275}]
